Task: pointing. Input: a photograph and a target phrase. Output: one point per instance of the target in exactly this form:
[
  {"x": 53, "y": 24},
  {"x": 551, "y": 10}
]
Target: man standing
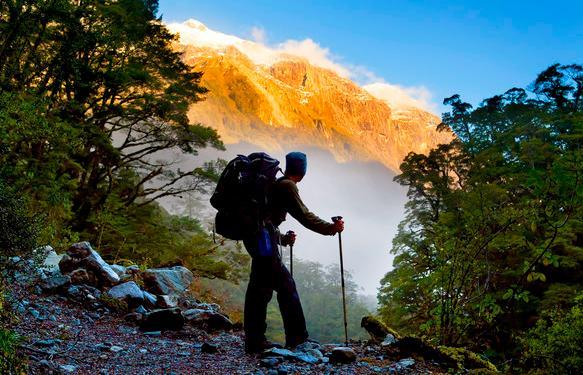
[{"x": 268, "y": 273}]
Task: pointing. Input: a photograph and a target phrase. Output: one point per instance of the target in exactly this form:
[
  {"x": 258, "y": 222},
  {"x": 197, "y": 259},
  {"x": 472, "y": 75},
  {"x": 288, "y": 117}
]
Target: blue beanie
[{"x": 296, "y": 163}]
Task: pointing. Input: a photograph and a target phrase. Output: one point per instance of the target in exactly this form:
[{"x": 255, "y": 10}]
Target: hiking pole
[
  {"x": 335, "y": 219},
  {"x": 291, "y": 254}
]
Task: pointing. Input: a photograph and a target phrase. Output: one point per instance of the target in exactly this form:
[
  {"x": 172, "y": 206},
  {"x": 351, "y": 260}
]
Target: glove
[
  {"x": 288, "y": 239},
  {"x": 339, "y": 225}
]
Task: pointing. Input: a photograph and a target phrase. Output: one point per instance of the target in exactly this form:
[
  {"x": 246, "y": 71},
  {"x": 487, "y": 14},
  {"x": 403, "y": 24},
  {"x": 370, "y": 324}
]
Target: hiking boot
[{"x": 258, "y": 347}]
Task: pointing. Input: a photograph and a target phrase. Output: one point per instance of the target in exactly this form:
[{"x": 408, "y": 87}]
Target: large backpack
[{"x": 242, "y": 194}]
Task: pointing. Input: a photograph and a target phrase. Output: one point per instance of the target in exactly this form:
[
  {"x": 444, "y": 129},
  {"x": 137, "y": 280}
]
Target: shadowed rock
[
  {"x": 168, "y": 281},
  {"x": 163, "y": 319},
  {"x": 342, "y": 354},
  {"x": 208, "y": 320},
  {"x": 55, "y": 284},
  {"x": 82, "y": 256}
]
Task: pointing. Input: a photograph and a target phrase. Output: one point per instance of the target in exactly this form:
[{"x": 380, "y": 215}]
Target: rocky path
[
  {"x": 61, "y": 337},
  {"x": 76, "y": 314}
]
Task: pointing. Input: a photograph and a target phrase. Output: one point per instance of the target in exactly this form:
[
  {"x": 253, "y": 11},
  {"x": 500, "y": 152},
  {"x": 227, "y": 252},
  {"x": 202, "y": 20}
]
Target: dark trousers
[{"x": 269, "y": 274}]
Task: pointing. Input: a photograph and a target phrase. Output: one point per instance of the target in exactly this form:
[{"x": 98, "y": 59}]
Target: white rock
[
  {"x": 389, "y": 340},
  {"x": 129, "y": 292},
  {"x": 68, "y": 368},
  {"x": 120, "y": 270}
]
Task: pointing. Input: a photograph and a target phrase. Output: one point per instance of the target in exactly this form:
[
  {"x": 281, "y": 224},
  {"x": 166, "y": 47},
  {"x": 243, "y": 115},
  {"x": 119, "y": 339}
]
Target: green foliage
[
  {"x": 93, "y": 114},
  {"x": 35, "y": 160},
  {"x": 18, "y": 230},
  {"x": 10, "y": 361},
  {"x": 320, "y": 294},
  {"x": 555, "y": 344},
  {"x": 114, "y": 304},
  {"x": 492, "y": 235},
  {"x": 90, "y": 90},
  {"x": 468, "y": 360},
  {"x": 148, "y": 235}
]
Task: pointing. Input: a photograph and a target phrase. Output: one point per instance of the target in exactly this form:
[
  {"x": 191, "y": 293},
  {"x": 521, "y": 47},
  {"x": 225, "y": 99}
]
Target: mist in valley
[{"x": 362, "y": 192}]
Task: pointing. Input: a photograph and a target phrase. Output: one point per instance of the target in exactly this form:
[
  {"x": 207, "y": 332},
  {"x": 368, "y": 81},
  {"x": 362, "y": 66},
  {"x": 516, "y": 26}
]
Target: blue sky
[{"x": 474, "y": 48}]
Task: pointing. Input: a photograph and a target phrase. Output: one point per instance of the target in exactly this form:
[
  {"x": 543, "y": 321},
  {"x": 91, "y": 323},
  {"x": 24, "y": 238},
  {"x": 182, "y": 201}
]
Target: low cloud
[
  {"x": 195, "y": 33},
  {"x": 402, "y": 97},
  {"x": 314, "y": 53}
]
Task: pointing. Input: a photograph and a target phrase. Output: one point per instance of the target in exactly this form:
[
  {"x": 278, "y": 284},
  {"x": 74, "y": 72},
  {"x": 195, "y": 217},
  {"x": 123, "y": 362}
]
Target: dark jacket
[{"x": 285, "y": 198}]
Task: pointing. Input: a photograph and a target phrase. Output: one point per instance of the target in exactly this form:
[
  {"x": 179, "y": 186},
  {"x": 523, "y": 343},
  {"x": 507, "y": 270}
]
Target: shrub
[
  {"x": 18, "y": 230},
  {"x": 555, "y": 344}
]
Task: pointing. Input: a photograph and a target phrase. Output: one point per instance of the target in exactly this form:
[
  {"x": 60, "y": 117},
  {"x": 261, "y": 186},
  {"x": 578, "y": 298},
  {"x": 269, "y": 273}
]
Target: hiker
[{"x": 268, "y": 273}]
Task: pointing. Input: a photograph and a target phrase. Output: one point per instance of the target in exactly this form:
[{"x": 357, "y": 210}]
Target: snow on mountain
[{"x": 296, "y": 94}]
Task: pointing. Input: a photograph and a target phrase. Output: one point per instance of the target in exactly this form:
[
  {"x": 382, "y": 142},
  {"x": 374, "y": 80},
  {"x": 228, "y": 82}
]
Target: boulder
[
  {"x": 165, "y": 301},
  {"x": 101, "y": 269},
  {"x": 55, "y": 284},
  {"x": 81, "y": 276},
  {"x": 82, "y": 256},
  {"x": 133, "y": 318},
  {"x": 174, "y": 280},
  {"x": 88, "y": 291},
  {"x": 301, "y": 356},
  {"x": 342, "y": 354},
  {"x": 120, "y": 270},
  {"x": 51, "y": 262},
  {"x": 308, "y": 345},
  {"x": 80, "y": 250},
  {"x": 68, "y": 264},
  {"x": 128, "y": 292},
  {"x": 163, "y": 319},
  {"x": 208, "y": 320},
  {"x": 150, "y": 300}
]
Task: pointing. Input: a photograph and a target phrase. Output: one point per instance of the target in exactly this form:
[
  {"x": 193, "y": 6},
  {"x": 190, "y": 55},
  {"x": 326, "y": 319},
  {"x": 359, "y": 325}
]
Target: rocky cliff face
[{"x": 291, "y": 103}]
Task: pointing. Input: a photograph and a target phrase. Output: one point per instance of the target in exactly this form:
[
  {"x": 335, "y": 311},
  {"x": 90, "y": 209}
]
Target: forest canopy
[
  {"x": 491, "y": 248},
  {"x": 92, "y": 96}
]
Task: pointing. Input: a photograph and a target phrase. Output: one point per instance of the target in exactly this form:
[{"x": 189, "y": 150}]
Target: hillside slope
[{"x": 290, "y": 103}]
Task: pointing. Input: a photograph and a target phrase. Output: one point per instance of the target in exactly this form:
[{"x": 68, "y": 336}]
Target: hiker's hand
[
  {"x": 288, "y": 239},
  {"x": 339, "y": 225}
]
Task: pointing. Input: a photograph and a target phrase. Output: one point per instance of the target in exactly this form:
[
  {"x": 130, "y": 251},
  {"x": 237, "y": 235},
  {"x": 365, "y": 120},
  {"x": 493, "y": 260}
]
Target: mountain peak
[
  {"x": 293, "y": 97},
  {"x": 194, "y": 24}
]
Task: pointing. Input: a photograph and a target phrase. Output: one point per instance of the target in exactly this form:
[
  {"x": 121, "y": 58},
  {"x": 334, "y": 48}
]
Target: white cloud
[
  {"x": 258, "y": 34},
  {"x": 402, "y": 97},
  {"x": 195, "y": 33},
  {"x": 314, "y": 53}
]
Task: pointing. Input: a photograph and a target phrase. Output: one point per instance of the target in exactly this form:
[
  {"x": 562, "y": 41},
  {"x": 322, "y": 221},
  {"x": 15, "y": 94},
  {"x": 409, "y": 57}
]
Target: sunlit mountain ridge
[{"x": 279, "y": 100}]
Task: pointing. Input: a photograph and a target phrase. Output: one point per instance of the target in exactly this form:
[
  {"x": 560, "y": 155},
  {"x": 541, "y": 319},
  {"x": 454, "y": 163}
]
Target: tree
[
  {"x": 494, "y": 219},
  {"x": 107, "y": 72}
]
